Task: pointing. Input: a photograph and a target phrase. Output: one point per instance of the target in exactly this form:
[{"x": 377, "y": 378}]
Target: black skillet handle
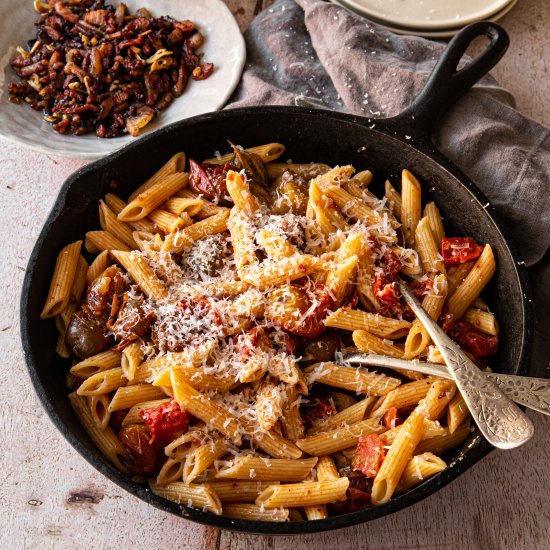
[{"x": 445, "y": 85}]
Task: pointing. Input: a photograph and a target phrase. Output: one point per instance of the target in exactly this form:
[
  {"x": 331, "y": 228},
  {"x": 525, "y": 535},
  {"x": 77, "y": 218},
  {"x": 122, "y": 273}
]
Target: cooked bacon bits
[
  {"x": 166, "y": 422},
  {"x": 96, "y": 68},
  {"x": 459, "y": 250},
  {"x": 142, "y": 453},
  {"x": 369, "y": 455}
]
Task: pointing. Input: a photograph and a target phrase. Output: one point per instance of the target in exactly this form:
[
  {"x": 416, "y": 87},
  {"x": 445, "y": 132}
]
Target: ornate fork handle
[
  {"x": 501, "y": 422},
  {"x": 533, "y": 393}
]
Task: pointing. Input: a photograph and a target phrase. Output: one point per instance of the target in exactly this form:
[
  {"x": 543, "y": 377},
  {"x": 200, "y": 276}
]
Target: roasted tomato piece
[
  {"x": 255, "y": 338},
  {"x": 131, "y": 323},
  {"x": 391, "y": 419},
  {"x": 318, "y": 409},
  {"x": 104, "y": 293},
  {"x": 447, "y": 321},
  {"x": 392, "y": 265},
  {"x": 386, "y": 293},
  {"x": 322, "y": 348},
  {"x": 300, "y": 310},
  {"x": 473, "y": 341},
  {"x": 166, "y": 422},
  {"x": 422, "y": 288},
  {"x": 369, "y": 455},
  {"x": 143, "y": 454},
  {"x": 459, "y": 250},
  {"x": 385, "y": 288},
  {"x": 209, "y": 180},
  {"x": 358, "y": 500},
  {"x": 86, "y": 336}
]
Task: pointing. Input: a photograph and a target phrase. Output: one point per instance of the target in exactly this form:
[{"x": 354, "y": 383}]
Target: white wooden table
[{"x": 51, "y": 498}]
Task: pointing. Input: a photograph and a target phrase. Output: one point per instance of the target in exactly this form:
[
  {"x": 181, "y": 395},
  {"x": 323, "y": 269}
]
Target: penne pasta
[
  {"x": 98, "y": 266},
  {"x": 268, "y": 153},
  {"x": 99, "y": 241},
  {"x": 194, "y": 496},
  {"x": 418, "y": 469},
  {"x": 436, "y": 224},
  {"x": 105, "y": 439},
  {"x": 117, "y": 205},
  {"x": 252, "y": 512},
  {"x": 176, "y": 163},
  {"x": 410, "y": 206},
  {"x": 110, "y": 223},
  {"x": 128, "y": 396},
  {"x": 201, "y": 457},
  {"x": 267, "y": 469},
  {"x": 237, "y": 490},
  {"x": 97, "y": 363},
  {"x": 205, "y": 409},
  {"x": 354, "y": 319},
  {"x": 142, "y": 274},
  {"x": 62, "y": 280},
  {"x": 470, "y": 288},
  {"x": 350, "y": 378},
  {"x": 306, "y": 493},
  {"x": 342, "y": 438},
  {"x": 149, "y": 199}
]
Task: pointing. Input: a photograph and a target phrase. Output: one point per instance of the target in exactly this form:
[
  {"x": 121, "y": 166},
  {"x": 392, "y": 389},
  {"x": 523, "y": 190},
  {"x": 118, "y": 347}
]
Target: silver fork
[
  {"x": 500, "y": 421},
  {"x": 533, "y": 393}
]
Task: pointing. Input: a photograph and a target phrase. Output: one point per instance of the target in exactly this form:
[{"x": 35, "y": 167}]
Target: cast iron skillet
[{"x": 309, "y": 135}]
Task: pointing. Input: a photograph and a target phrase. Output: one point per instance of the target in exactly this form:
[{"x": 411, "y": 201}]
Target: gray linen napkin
[{"x": 316, "y": 54}]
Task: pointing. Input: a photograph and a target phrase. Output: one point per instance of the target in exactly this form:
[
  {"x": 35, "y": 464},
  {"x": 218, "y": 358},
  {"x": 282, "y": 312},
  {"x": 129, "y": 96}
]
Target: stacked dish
[{"x": 429, "y": 18}]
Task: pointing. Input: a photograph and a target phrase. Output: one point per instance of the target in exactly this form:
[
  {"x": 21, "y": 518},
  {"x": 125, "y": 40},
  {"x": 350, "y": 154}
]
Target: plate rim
[
  {"x": 424, "y": 33},
  {"x": 427, "y": 26}
]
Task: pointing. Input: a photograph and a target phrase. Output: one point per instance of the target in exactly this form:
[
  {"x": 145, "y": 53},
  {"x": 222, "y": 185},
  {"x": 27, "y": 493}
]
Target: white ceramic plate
[
  {"x": 224, "y": 46},
  {"x": 447, "y": 33},
  {"x": 427, "y": 14}
]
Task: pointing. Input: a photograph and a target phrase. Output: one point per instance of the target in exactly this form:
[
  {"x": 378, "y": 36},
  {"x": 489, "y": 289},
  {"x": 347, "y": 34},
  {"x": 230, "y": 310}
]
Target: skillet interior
[{"x": 319, "y": 136}]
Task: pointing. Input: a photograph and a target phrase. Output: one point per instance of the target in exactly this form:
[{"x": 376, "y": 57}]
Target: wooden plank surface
[{"x": 51, "y": 498}]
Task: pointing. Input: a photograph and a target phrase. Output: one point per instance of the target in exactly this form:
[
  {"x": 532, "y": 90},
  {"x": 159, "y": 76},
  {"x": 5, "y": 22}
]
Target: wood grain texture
[{"x": 51, "y": 498}]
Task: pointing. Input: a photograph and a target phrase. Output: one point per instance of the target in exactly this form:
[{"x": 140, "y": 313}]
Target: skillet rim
[{"x": 477, "y": 449}]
